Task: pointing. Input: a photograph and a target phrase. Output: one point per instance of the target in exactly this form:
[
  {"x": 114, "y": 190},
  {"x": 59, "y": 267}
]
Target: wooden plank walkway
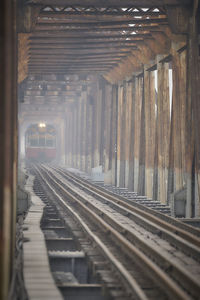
[{"x": 38, "y": 279}]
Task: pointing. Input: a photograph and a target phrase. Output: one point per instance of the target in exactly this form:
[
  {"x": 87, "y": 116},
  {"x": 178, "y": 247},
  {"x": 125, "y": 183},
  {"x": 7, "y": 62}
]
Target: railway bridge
[{"x": 118, "y": 83}]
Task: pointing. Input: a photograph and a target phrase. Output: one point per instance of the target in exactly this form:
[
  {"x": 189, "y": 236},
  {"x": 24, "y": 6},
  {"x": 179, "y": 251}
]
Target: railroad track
[{"x": 155, "y": 256}]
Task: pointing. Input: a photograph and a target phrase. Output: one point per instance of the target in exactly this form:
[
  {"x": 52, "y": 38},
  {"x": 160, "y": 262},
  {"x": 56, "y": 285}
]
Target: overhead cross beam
[
  {"x": 114, "y": 3},
  {"x": 70, "y": 23},
  {"x": 64, "y": 11},
  {"x": 97, "y": 35}
]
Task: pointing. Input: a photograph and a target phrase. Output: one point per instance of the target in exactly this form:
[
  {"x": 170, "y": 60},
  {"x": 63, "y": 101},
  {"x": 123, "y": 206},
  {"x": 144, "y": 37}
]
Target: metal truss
[{"x": 92, "y": 10}]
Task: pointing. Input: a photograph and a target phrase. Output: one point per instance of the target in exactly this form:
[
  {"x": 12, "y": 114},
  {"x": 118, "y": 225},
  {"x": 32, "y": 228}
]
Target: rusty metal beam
[
  {"x": 113, "y": 3},
  {"x": 89, "y": 38},
  {"x": 64, "y": 14},
  {"x": 98, "y": 30},
  {"x": 82, "y": 55},
  {"x": 95, "y": 47},
  {"x": 109, "y": 43},
  {"x": 74, "y": 65},
  {"x": 106, "y": 30},
  {"x": 70, "y": 23},
  {"x": 77, "y": 52},
  {"x": 61, "y": 60}
]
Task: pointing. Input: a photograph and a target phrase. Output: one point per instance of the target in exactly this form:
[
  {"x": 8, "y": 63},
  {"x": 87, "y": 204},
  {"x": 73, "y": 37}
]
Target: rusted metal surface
[
  {"x": 23, "y": 46},
  {"x": 74, "y": 29},
  {"x": 8, "y": 136}
]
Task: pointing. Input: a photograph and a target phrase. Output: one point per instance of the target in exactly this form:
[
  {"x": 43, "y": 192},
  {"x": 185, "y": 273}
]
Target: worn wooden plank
[{"x": 38, "y": 278}]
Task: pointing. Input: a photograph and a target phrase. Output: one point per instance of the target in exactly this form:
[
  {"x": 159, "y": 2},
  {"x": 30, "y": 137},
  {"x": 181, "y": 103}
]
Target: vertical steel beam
[
  {"x": 163, "y": 128},
  {"x": 137, "y": 121},
  {"x": 150, "y": 122},
  {"x": 8, "y": 137},
  {"x": 131, "y": 136}
]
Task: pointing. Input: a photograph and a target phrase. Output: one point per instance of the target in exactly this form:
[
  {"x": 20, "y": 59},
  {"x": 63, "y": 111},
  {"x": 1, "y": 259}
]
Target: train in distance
[{"x": 40, "y": 143}]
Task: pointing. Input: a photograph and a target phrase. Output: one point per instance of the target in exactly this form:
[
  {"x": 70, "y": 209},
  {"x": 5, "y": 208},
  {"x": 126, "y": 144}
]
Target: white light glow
[{"x": 42, "y": 125}]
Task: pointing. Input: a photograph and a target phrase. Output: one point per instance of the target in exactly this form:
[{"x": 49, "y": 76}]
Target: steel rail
[
  {"x": 126, "y": 275},
  {"x": 159, "y": 275},
  {"x": 171, "y": 237},
  {"x": 177, "y": 272},
  {"x": 176, "y": 241},
  {"x": 186, "y": 231}
]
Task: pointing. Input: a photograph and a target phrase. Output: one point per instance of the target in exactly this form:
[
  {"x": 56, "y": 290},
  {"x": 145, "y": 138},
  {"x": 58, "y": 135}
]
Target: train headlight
[{"x": 42, "y": 125}]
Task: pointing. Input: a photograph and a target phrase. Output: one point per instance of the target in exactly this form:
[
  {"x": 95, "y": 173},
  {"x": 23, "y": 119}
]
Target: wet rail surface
[{"x": 156, "y": 257}]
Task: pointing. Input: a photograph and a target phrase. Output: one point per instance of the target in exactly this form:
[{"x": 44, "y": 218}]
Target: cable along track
[{"x": 175, "y": 273}]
